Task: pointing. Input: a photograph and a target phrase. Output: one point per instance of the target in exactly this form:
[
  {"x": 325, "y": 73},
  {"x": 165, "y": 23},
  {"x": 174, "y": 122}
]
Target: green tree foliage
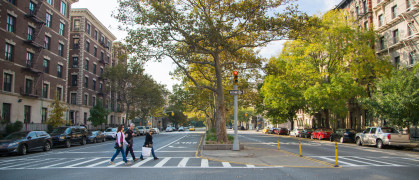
[
  {"x": 209, "y": 36},
  {"x": 98, "y": 113},
  {"x": 396, "y": 98},
  {"x": 57, "y": 113}
]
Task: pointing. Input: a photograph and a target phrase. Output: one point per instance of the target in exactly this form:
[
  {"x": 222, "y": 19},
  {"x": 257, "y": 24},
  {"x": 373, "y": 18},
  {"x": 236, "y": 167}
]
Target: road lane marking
[
  {"x": 226, "y": 164},
  {"x": 142, "y": 162},
  {"x": 94, "y": 159},
  {"x": 35, "y": 162},
  {"x": 375, "y": 161},
  {"x": 343, "y": 162},
  {"x": 101, "y": 162},
  {"x": 183, "y": 162},
  {"x": 60, "y": 163},
  {"x": 162, "y": 162},
  {"x": 204, "y": 163},
  {"x": 250, "y": 166},
  {"x": 171, "y": 142},
  {"x": 357, "y": 161},
  {"x": 117, "y": 164}
]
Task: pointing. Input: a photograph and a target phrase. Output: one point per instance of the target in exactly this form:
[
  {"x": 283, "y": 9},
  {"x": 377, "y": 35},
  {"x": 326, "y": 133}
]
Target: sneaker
[
  {"x": 127, "y": 163},
  {"x": 136, "y": 159},
  {"x": 111, "y": 162},
  {"x": 155, "y": 158}
]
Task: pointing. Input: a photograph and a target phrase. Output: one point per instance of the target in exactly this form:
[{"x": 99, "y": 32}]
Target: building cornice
[{"x": 86, "y": 13}]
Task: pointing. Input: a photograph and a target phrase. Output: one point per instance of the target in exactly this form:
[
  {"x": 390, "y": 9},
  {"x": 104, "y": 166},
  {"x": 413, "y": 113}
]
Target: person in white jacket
[{"x": 119, "y": 145}]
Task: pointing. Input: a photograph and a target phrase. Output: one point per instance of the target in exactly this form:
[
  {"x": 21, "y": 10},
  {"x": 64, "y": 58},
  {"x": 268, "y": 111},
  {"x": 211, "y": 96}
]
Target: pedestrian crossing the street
[
  {"x": 356, "y": 161},
  {"x": 103, "y": 162}
]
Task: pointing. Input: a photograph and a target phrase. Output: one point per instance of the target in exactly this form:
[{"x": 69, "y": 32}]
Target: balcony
[
  {"x": 28, "y": 93},
  {"x": 29, "y": 68},
  {"x": 35, "y": 19},
  {"x": 34, "y": 44}
]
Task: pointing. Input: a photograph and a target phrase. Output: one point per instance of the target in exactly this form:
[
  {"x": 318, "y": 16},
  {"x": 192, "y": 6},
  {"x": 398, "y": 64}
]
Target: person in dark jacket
[
  {"x": 130, "y": 139},
  {"x": 149, "y": 143}
]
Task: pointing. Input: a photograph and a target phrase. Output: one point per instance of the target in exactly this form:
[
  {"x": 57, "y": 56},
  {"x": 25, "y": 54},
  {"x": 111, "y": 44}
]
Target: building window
[
  {"x": 12, "y": 1},
  {"x": 94, "y": 101},
  {"x": 63, "y": 8},
  {"x": 88, "y": 28},
  {"x": 9, "y": 52},
  {"x": 31, "y": 8},
  {"x": 380, "y": 20},
  {"x": 62, "y": 26},
  {"x": 74, "y": 80},
  {"x": 44, "y": 115},
  {"x": 101, "y": 56},
  {"x": 11, "y": 22},
  {"x": 7, "y": 82},
  {"x": 73, "y": 98},
  {"x": 364, "y": 5},
  {"x": 412, "y": 59},
  {"x": 49, "y": 2},
  {"x": 47, "y": 42},
  {"x": 30, "y": 32},
  {"x": 86, "y": 82},
  {"x": 95, "y": 51},
  {"x": 59, "y": 91},
  {"x": 76, "y": 43},
  {"x": 94, "y": 85},
  {"x": 60, "y": 49},
  {"x": 28, "y": 86},
  {"x": 366, "y": 25},
  {"x": 394, "y": 12},
  {"x": 395, "y": 36},
  {"x": 60, "y": 71},
  {"x": 86, "y": 65},
  {"x": 397, "y": 61},
  {"x": 357, "y": 10},
  {"x": 85, "y": 99},
  {"x": 408, "y": 4},
  {"x": 94, "y": 68},
  {"x": 101, "y": 71},
  {"x": 29, "y": 58},
  {"x": 46, "y": 66},
  {"x": 27, "y": 114},
  {"x": 48, "y": 19},
  {"x": 75, "y": 62},
  {"x": 77, "y": 25},
  {"x": 45, "y": 89},
  {"x": 102, "y": 40},
  {"x": 7, "y": 110},
  {"x": 382, "y": 40},
  {"x": 87, "y": 46},
  {"x": 101, "y": 87},
  {"x": 95, "y": 35}
]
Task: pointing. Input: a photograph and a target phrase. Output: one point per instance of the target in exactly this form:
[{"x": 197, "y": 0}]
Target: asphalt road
[{"x": 178, "y": 160}]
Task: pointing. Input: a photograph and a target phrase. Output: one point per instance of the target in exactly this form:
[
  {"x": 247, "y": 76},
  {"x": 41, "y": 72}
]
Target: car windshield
[
  {"x": 111, "y": 130},
  {"x": 95, "y": 133},
  {"x": 61, "y": 130},
  {"x": 147, "y": 127},
  {"x": 351, "y": 131},
  {"x": 19, "y": 135},
  {"x": 140, "y": 127},
  {"x": 389, "y": 130}
]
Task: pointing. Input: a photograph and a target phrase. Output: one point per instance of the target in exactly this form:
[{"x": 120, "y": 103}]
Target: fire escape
[
  {"x": 413, "y": 35},
  {"x": 32, "y": 65}
]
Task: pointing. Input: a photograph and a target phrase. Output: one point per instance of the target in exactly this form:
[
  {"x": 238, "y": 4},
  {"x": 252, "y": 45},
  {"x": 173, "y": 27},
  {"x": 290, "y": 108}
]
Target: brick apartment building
[{"x": 34, "y": 38}]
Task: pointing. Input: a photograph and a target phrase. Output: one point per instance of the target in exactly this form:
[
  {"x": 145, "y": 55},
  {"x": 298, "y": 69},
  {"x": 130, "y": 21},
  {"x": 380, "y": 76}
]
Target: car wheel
[
  {"x": 83, "y": 141},
  {"x": 95, "y": 140},
  {"x": 358, "y": 141},
  {"x": 23, "y": 149},
  {"x": 67, "y": 143},
  {"x": 341, "y": 140},
  {"x": 331, "y": 139},
  {"x": 104, "y": 139},
  {"x": 47, "y": 146},
  {"x": 380, "y": 144}
]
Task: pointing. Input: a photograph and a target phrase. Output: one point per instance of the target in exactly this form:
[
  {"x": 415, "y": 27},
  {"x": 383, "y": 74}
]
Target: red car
[
  {"x": 281, "y": 131},
  {"x": 321, "y": 133}
]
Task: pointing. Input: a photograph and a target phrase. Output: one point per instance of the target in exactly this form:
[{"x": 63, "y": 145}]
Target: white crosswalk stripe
[
  {"x": 183, "y": 162},
  {"x": 204, "y": 163},
  {"x": 348, "y": 161}
]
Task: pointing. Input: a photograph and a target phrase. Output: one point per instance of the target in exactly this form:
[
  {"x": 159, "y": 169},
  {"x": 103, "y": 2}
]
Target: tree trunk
[
  {"x": 220, "y": 122},
  {"x": 326, "y": 123},
  {"x": 126, "y": 115}
]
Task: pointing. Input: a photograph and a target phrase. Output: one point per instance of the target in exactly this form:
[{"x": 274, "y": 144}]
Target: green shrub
[
  {"x": 11, "y": 128},
  {"x": 230, "y": 137}
]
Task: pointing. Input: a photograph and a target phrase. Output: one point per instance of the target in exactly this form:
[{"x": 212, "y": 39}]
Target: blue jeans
[
  {"x": 117, "y": 152},
  {"x": 152, "y": 152}
]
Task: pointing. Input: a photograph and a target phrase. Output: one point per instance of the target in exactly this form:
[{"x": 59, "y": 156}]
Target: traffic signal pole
[{"x": 236, "y": 136}]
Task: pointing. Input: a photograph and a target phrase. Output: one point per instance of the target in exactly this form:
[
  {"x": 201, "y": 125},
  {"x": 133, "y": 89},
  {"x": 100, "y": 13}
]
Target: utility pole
[{"x": 236, "y": 136}]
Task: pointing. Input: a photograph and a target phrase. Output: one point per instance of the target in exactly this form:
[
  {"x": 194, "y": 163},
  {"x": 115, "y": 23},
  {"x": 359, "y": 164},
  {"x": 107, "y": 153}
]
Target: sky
[{"x": 103, "y": 9}]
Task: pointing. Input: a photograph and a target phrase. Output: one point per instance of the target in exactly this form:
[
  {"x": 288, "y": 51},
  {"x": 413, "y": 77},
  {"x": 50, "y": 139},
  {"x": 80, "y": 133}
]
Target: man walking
[{"x": 130, "y": 139}]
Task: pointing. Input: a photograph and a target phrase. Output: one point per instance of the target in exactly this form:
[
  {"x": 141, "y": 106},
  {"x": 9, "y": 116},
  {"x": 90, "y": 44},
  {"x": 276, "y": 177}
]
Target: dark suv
[
  {"x": 23, "y": 142},
  {"x": 68, "y": 135}
]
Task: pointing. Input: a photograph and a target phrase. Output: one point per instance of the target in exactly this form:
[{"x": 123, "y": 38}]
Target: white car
[
  {"x": 169, "y": 129},
  {"x": 110, "y": 133},
  {"x": 295, "y": 132},
  {"x": 156, "y": 131},
  {"x": 141, "y": 129}
]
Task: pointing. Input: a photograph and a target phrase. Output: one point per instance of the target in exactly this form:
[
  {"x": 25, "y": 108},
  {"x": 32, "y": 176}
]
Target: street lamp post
[{"x": 236, "y": 136}]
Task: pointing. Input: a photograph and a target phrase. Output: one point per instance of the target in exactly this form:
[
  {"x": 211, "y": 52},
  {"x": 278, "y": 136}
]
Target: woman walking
[
  {"x": 149, "y": 143},
  {"x": 119, "y": 145}
]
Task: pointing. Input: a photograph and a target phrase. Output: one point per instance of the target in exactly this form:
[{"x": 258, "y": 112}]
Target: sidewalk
[{"x": 263, "y": 157}]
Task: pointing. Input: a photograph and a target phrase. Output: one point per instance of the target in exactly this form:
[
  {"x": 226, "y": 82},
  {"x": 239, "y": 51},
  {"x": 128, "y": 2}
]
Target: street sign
[{"x": 235, "y": 92}]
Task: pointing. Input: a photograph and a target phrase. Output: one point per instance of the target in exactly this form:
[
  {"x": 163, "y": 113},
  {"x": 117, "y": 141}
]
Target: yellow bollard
[
  {"x": 278, "y": 142},
  {"x": 336, "y": 154},
  {"x": 299, "y": 143}
]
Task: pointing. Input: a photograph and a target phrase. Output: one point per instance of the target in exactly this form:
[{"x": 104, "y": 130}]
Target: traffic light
[
  {"x": 173, "y": 114},
  {"x": 236, "y": 77}
]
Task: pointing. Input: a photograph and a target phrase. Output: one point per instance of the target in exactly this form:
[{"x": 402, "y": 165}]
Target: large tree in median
[{"x": 213, "y": 34}]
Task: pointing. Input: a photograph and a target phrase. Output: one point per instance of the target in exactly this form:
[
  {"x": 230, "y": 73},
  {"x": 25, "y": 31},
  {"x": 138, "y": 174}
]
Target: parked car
[
  {"x": 169, "y": 129},
  {"x": 273, "y": 131},
  {"x": 343, "y": 135},
  {"x": 67, "y": 135},
  {"x": 110, "y": 133},
  {"x": 321, "y": 133},
  {"x": 192, "y": 128},
  {"x": 141, "y": 130},
  {"x": 23, "y": 142},
  {"x": 306, "y": 133},
  {"x": 382, "y": 136},
  {"x": 295, "y": 132},
  {"x": 282, "y": 131},
  {"x": 155, "y": 131},
  {"x": 147, "y": 129},
  {"x": 181, "y": 128},
  {"x": 265, "y": 130},
  {"x": 96, "y": 136},
  {"x": 186, "y": 128}
]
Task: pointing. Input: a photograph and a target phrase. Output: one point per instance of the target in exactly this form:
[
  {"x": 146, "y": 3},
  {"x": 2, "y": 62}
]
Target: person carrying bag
[
  {"x": 119, "y": 145},
  {"x": 148, "y": 146}
]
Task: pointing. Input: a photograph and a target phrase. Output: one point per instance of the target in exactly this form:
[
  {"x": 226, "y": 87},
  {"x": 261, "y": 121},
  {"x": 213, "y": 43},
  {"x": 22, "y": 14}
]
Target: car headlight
[{"x": 13, "y": 144}]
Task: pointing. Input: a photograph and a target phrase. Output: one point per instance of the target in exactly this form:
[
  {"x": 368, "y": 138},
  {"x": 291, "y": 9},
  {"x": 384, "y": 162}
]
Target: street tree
[
  {"x": 214, "y": 34},
  {"x": 56, "y": 117},
  {"x": 98, "y": 113}
]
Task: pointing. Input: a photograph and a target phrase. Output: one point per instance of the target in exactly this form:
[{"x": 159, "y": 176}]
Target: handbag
[
  {"x": 117, "y": 146},
  {"x": 146, "y": 151}
]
